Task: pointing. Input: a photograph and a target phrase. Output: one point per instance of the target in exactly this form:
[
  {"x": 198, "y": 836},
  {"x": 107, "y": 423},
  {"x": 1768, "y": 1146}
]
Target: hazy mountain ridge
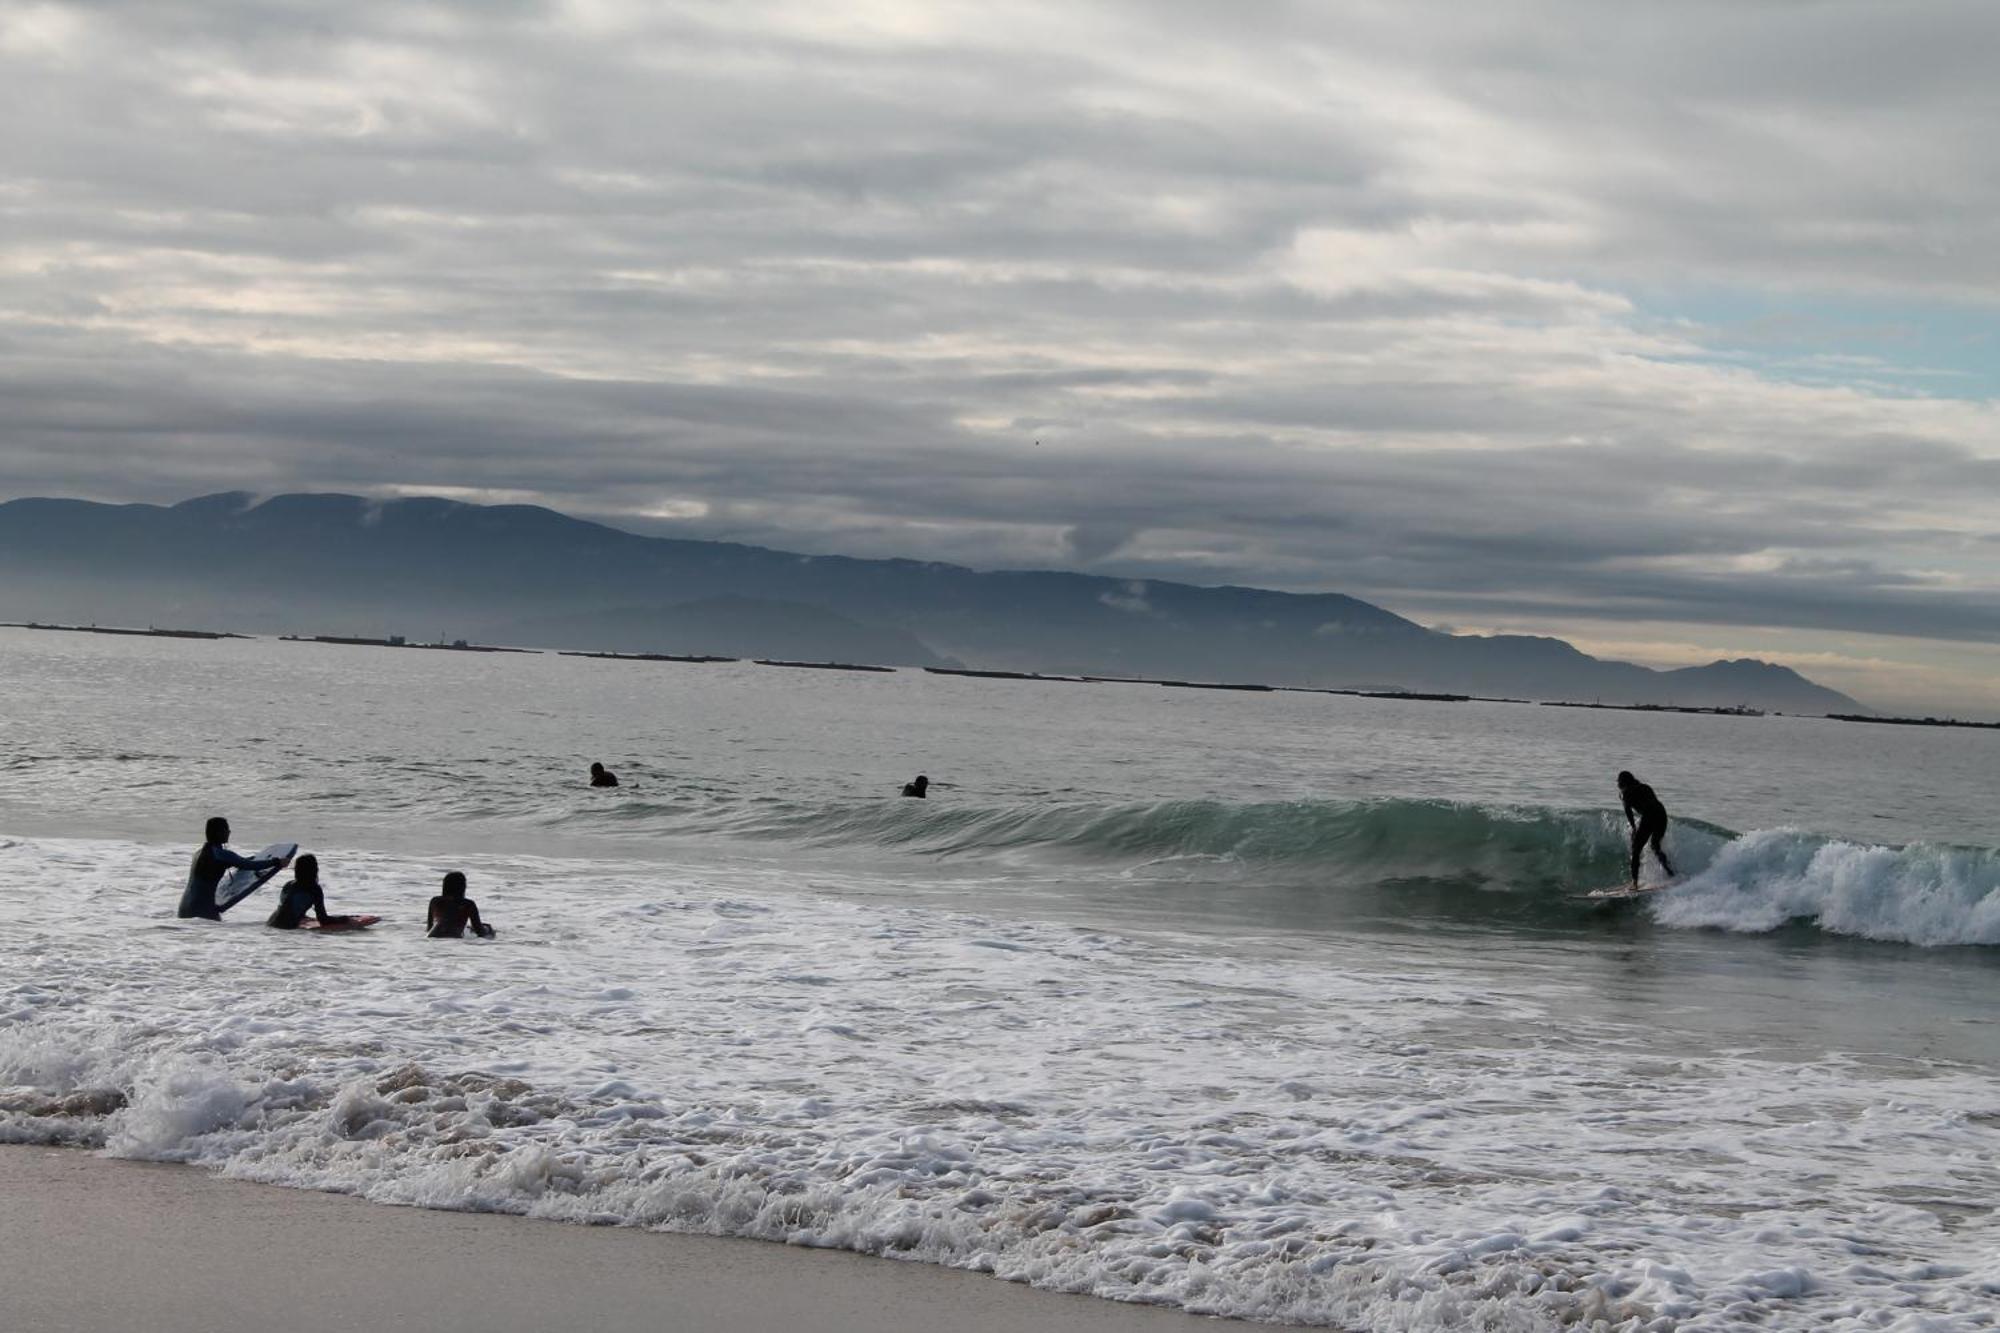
[
  {"x": 425, "y": 566},
  {"x": 727, "y": 626}
]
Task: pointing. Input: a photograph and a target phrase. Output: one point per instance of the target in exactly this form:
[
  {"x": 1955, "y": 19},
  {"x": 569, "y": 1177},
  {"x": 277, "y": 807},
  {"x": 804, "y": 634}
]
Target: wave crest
[
  {"x": 1921, "y": 894},
  {"x": 1523, "y": 842},
  {"x": 1447, "y": 859}
]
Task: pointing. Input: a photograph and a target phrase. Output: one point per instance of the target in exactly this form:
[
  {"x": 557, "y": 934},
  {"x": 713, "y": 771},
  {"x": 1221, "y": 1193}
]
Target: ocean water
[{"x": 1271, "y": 1005}]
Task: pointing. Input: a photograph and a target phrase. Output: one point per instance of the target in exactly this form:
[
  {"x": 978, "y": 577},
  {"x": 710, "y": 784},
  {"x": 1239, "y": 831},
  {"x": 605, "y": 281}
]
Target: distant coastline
[
  {"x": 398, "y": 641},
  {"x": 533, "y": 577},
  {"x": 1737, "y": 710},
  {"x": 148, "y": 633},
  {"x": 1914, "y": 721},
  {"x": 1240, "y": 687}
]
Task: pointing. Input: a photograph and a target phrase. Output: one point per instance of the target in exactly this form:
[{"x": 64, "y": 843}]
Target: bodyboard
[
  {"x": 241, "y": 882},
  {"x": 349, "y": 923}
]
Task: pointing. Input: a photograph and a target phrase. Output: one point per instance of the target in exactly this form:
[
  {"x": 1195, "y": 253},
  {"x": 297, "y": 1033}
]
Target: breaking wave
[{"x": 1448, "y": 859}]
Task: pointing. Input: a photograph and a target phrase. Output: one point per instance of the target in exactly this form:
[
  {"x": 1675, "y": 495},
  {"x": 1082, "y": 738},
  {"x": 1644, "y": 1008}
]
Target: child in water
[
  {"x": 300, "y": 895},
  {"x": 451, "y": 912}
]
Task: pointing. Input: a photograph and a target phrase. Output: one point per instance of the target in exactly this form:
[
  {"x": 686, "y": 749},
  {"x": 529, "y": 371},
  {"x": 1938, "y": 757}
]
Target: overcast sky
[{"x": 1671, "y": 328}]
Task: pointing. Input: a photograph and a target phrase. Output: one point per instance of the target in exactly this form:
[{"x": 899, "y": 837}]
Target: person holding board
[
  {"x": 1646, "y": 817},
  {"x": 211, "y": 863}
]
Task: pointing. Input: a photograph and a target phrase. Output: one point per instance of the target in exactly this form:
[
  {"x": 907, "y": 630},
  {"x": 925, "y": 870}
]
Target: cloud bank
[{"x": 1644, "y": 323}]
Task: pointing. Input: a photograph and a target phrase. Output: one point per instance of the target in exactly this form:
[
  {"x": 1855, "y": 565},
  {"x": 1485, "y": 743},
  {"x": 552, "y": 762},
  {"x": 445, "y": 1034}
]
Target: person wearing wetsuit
[
  {"x": 211, "y": 863},
  {"x": 300, "y": 895},
  {"x": 600, "y": 776},
  {"x": 451, "y": 912},
  {"x": 1647, "y": 818},
  {"x": 917, "y": 788}
]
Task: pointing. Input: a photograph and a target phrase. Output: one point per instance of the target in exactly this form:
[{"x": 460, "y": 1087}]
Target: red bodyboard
[{"x": 350, "y": 923}]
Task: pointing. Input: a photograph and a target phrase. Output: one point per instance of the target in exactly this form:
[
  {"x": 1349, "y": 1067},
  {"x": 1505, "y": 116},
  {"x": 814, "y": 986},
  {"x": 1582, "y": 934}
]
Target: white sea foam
[
  {"x": 1341, "y": 1136},
  {"x": 1921, "y": 894}
]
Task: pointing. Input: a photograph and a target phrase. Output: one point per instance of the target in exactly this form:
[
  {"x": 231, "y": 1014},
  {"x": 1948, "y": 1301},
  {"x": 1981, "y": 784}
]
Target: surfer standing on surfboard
[
  {"x": 1647, "y": 819},
  {"x": 211, "y": 863}
]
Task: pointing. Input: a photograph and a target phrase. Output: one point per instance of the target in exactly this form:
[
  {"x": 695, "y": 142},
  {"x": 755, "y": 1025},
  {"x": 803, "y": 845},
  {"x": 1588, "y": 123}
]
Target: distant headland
[{"x": 530, "y": 577}]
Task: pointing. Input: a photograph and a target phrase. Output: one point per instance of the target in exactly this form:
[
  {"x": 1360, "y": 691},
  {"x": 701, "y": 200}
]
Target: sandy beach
[{"x": 93, "y": 1244}]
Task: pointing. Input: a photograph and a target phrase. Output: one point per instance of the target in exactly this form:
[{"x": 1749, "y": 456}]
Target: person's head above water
[
  {"x": 454, "y": 884},
  {"x": 921, "y": 782},
  {"x": 1625, "y": 780},
  {"x": 595, "y": 769},
  {"x": 216, "y": 830},
  {"x": 306, "y": 869}
]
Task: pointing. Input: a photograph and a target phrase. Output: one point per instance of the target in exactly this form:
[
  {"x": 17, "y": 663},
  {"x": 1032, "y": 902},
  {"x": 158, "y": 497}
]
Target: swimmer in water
[
  {"x": 600, "y": 776},
  {"x": 300, "y": 895},
  {"x": 451, "y": 912},
  {"x": 211, "y": 863},
  {"x": 918, "y": 787},
  {"x": 1646, "y": 817}
]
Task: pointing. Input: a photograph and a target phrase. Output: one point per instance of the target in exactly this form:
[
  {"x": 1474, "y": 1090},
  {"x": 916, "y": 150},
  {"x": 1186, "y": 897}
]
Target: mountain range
[{"x": 526, "y": 575}]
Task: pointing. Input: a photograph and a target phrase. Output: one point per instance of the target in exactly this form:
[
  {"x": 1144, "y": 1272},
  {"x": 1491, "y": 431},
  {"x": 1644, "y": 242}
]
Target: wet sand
[{"x": 90, "y": 1245}]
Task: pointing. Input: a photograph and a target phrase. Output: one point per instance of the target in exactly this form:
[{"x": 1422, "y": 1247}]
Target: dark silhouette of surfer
[
  {"x": 1647, "y": 818},
  {"x": 211, "y": 863},
  {"x": 918, "y": 788},
  {"x": 451, "y": 912},
  {"x": 600, "y": 776},
  {"x": 300, "y": 895}
]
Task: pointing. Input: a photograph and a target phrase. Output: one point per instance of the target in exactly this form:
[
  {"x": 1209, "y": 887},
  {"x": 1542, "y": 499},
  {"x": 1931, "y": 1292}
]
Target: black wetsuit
[
  {"x": 912, "y": 789},
  {"x": 211, "y": 863},
  {"x": 1643, "y": 805},
  {"x": 604, "y": 779},
  {"x": 294, "y": 902}
]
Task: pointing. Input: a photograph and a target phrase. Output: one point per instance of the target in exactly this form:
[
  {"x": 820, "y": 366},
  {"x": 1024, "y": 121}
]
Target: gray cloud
[
  {"x": 1088, "y": 543},
  {"x": 1377, "y": 298}
]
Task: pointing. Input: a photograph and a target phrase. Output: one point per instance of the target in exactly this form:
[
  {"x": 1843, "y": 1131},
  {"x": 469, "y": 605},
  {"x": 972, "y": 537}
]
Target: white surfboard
[
  {"x": 241, "y": 882},
  {"x": 1622, "y": 891}
]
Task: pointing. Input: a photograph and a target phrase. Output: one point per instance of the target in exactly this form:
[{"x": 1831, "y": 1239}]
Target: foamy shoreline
[
  {"x": 1345, "y": 1135},
  {"x": 95, "y": 1244}
]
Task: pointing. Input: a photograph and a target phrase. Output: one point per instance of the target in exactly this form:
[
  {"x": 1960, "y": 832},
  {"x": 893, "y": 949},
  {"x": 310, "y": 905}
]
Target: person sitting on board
[
  {"x": 451, "y": 912},
  {"x": 1647, "y": 818},
  {"x": 300, "y": 895},
  {"x": 918, "y": 787},
  {"x": 211, "y": 863},
  {"x": 600, "y": 776}
]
